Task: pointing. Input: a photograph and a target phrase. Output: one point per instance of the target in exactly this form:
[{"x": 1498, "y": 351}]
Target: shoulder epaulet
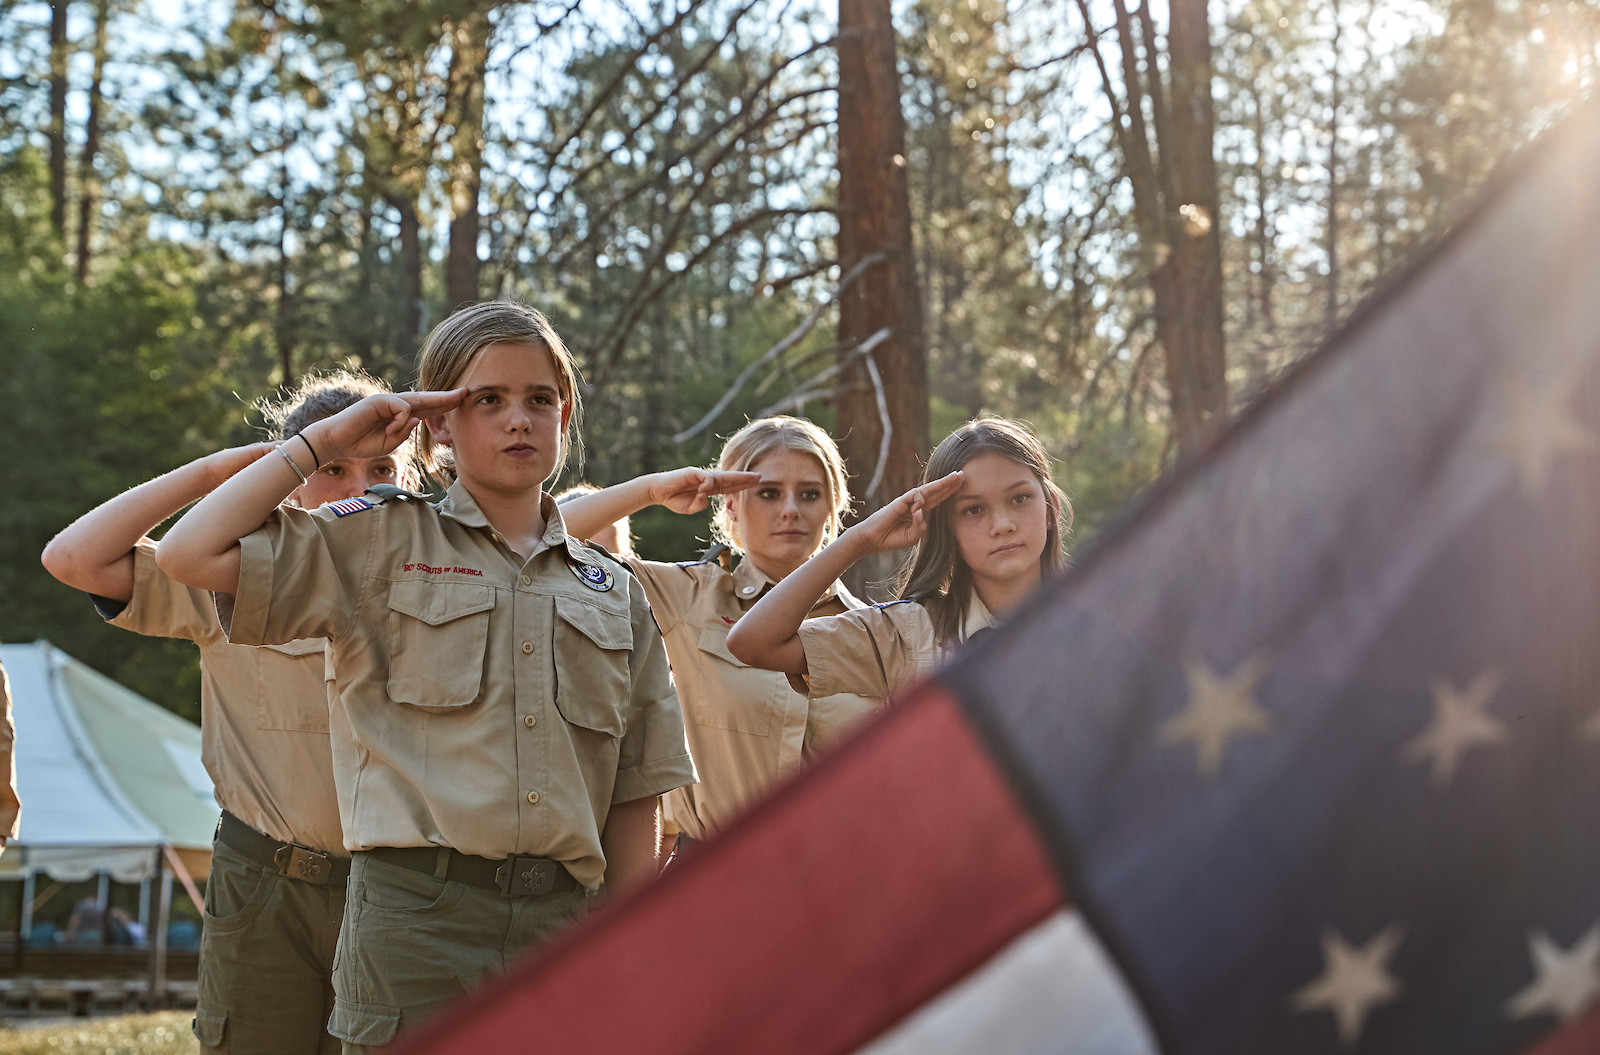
[
  {"x": 690, "y": 563},
  {"x": 381, "y": 493}
]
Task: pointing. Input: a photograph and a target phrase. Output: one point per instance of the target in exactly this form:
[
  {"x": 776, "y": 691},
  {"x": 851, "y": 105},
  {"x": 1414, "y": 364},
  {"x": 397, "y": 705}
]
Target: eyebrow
[
  {"x": 506, "y": 388},
  {"x": 1013, "y": 487},
  {"x": 802, "y": 483}
]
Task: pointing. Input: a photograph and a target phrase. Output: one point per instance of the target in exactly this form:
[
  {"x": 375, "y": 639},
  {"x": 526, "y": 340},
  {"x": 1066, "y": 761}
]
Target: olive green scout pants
[
  {"x": 412, "y": 942},
  {"x": 266, "y": 960}
]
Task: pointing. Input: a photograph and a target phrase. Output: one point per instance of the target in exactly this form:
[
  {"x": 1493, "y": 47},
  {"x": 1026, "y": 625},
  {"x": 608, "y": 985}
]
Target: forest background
[{"x": 200, "y": 203}]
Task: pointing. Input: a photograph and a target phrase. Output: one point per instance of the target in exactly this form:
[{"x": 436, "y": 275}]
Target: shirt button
[
  {"x": 748, "y": 590},
  {"x": 527, "y": 580},
  {"x": 527, "y": 648},
  {"x": 530, "y": 721},
  {"x": 533, "y": 798}
]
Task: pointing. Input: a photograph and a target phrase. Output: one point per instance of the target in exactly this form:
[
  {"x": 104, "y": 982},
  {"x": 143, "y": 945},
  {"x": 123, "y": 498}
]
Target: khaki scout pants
[
  {"x": 266, "y": 960},
  {"x": 411, "y": 943}
]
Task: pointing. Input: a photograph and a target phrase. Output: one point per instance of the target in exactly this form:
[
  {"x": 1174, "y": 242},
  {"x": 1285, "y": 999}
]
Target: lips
[
  {"x": 1005, "y": 549},
  {"x": 520, "y": 448}
]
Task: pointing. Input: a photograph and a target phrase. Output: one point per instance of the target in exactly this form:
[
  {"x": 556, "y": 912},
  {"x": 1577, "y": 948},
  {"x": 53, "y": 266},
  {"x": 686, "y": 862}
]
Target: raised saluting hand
[
  {"x": 902, "y": 523},
  {"x": 378, "y": 424},
  {"x": 690, "y": 490}
]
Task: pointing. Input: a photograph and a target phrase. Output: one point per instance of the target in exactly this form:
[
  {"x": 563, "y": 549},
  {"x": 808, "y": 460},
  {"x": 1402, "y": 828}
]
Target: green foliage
[{"x": 102, "y": 387}]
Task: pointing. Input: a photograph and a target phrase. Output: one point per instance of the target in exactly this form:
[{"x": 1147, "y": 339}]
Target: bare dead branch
[
  {"x": 811, "y": 389},
  {"x": 789, "y": 341},
  {"x": 888, "y": 427}
]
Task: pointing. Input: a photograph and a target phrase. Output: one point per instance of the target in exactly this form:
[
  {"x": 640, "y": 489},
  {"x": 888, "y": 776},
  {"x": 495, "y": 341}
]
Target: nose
[
  {"x": 791, "y": 506},
  {"x": 519, "y": 420},
  {"x": 1004, "y": 523}
]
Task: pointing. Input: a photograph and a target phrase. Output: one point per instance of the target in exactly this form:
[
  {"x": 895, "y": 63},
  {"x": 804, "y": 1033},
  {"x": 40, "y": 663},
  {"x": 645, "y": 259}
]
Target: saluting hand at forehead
[
  {"x": 690, "y": 490},
  {"x": 901, "y": 523},
  {"x": 378, "y": 424}
]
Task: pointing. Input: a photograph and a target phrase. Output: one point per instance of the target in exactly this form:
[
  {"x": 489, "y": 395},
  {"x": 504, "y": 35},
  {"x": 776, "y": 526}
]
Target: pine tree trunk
[
  {"x": 1188, "y": 287},
  {"x": 88, "y": 184},
  {"x": 58, "y": 116},
  {"x": 410, "y": 274},
  {"x": 470, "y": 52},
  {"x": 875, "y": 217}
]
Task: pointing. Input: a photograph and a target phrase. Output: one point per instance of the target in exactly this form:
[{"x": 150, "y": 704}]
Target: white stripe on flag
[{"x": 1052, "y": 991}]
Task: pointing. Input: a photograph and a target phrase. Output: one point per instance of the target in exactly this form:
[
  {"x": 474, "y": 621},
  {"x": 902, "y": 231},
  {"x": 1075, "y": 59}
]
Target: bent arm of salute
[
  {"x": 680, "y": 490},
  {"x": 95, "y": 552},
  {"x": 202, "y": 548},
  {"x": 768, "y": 635}
]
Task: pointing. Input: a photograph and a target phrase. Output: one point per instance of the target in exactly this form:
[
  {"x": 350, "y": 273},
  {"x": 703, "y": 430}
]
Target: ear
[
  {"x": 439, "y": 428},
  {"x": 566, "y": 414}
]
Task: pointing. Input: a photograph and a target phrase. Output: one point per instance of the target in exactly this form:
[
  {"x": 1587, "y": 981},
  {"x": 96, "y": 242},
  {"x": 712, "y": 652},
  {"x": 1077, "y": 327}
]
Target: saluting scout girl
[
  {"x": 988, "y": 525},
  {"x": 786, "y": 489},
  {"x": 503, "y": 716},
  {"x": 278, "y": 868}
]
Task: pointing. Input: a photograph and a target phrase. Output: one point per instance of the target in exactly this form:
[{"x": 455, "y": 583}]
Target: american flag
[
  {"x": 1311, "y": 742},
  {"x": 346, "y": 506}
]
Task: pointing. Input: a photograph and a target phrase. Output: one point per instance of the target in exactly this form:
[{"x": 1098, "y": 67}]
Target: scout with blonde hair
[
  {"x": 760, "y": 438},
  {"x": 779, "y": 492}
]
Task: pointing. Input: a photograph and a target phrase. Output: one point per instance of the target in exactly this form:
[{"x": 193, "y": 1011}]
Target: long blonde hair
[
  {"x": 455, "y": 341},
  {"x": 781, "y": 433},
  {"x": 936, "y": 575}
]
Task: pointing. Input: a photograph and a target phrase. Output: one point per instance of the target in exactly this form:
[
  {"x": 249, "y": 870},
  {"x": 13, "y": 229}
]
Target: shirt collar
[
  {"x": 977, "y": 617},
  {"x": 460, "y": 506},
  {"x": 750, "y": 582}
]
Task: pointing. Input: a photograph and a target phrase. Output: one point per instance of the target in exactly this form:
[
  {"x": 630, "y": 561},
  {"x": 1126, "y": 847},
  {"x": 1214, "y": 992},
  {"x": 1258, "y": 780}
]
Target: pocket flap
[
  {"x": 715, "y": 641},
  {"x": 301, "y": 646},
  {"x": 611, "y": 630},
  {"x": 439, "y": 602},
  {"x": 369, "y": 1024},
  {"x": 210, "y": 1025}
]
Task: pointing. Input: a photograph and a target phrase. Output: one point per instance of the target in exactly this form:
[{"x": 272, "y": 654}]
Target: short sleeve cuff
[
  {"x": 249, "y": 620},
  {"x": 653, "y": 778},
  {"x": 819, "y": 677}
]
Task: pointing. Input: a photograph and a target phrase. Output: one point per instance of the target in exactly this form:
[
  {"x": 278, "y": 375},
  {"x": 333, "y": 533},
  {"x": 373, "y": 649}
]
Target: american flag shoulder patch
[{"x": 349, "y": 505}]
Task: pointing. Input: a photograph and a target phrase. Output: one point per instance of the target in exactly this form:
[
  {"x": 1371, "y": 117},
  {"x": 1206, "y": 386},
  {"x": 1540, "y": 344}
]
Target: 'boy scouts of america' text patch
[{"x": 347, "y": 506}]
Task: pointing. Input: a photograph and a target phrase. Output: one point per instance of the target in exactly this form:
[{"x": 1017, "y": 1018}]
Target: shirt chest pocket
[
  {"x": 735, "y": 696},
  {"x": 293, "y": 685},
  {"x": 438, "y": 632},
  {"x": 592, "y": 648}
]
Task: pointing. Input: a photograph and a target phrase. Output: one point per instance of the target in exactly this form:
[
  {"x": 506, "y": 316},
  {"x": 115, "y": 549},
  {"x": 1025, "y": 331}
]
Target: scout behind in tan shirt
[
  {"x": 745, "y": 725},
  {"x": 263, "y": 711}
]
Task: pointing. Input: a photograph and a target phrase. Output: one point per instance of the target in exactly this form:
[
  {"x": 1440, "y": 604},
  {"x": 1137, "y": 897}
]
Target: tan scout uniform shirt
[
  {"x": 482, "y": 702},
  {"x": 263, "y": 711},
  {"x": 878, "y": 650},
  {"x": 10, "y": 808},
  {"x": 745, "y": 725}
]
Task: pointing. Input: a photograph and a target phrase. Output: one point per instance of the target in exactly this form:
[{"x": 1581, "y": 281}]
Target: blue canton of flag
[{"x": 1316, "y": 737}]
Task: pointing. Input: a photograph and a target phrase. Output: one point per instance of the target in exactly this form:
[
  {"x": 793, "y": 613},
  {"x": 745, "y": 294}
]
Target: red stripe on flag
[
  {"x": 870, "y": 884},
  {"x": 1580, "y": 1037}
]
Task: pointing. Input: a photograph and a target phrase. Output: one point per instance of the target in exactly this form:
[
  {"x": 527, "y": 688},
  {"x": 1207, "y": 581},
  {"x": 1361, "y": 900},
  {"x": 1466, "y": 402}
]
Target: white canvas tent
[{"x": 106, "y": 778}]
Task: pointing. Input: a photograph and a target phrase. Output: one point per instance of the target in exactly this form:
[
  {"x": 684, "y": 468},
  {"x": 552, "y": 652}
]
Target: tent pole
[
  {"x": 102, "y": 900},
  {"x": 144, "y": 907},
  {"x": 158, "y": 937},
  {"x": 25, "y": 925}
]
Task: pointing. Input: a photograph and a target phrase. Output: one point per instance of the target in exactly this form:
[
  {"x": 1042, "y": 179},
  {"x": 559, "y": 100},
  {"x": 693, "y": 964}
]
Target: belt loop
[{"x": 443, "y": 865}]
